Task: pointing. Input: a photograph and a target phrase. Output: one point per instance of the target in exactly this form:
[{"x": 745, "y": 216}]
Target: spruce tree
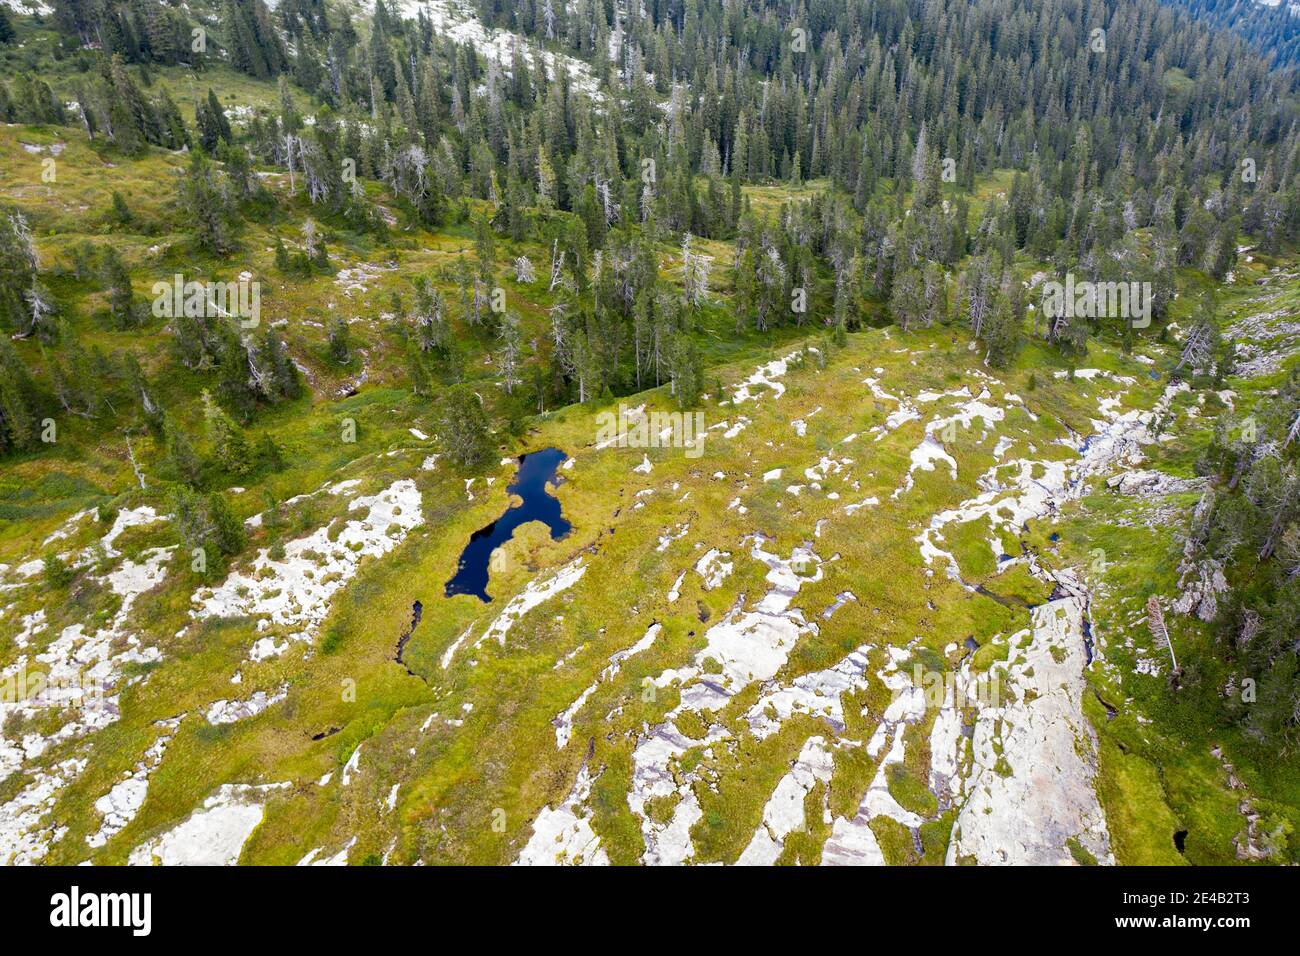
[
  {"x": 205, "y": 205},
  {"x": 227, "y": 438},
  {"x": 180, "y": 454},
  {"x": 122, "y": 306},
  {"x": 465, "y": 432}
]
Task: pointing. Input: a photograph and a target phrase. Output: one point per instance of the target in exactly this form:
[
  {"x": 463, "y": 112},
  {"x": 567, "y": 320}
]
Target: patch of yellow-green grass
[
  {"x": 746, "y": 775},
  {"x": 935, "y": 836},
  {"x": 1017, "y": 584},
  {"x": 995, "y": 650},
  {"x": 910, "y": 790},
  {"x": 854, "y": 770},
  {"x": 1140, "y": 822},
  {"x": 968, "y": 542},
  {"x": 1082, "y": 855},
  {"x": 768, "y": 200},
  {"x": 896, "y": 842},
  {"x": 804, "y": 847},
  {"x": 612, "y": 818}
]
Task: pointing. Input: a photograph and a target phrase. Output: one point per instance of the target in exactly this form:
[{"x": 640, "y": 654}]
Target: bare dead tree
[
  {"x": 1293, "y": 432},
  {"x": 1198, "y": 350},
  {"x": 135, "y": 466},
  {"x": 1159, "y": 632},
  {"x": 1249, "y": 627},
  {"x": 695, "y": 272},
  {"x": 557, "y": 265}
]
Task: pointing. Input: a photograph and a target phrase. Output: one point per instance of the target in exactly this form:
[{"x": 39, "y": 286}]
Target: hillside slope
[
  {"x": 830, "y": 544},
  {"x": 854, "y": 515}
]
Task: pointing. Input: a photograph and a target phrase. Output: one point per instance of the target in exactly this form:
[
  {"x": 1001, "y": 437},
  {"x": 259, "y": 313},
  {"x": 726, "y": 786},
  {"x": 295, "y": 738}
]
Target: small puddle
[{"x": 536, "y": 471}]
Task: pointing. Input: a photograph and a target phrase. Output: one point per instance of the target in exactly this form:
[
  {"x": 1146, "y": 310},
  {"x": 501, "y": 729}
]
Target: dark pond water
[{"x": 536, "y": 471}]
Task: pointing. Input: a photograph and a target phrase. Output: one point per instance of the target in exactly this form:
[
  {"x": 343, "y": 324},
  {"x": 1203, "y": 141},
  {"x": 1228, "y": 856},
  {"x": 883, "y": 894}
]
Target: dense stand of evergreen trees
[
  {"x": 1273, "y": 30},
  {"x": 1137, "y": 141},
  {"x": 1248, "y": 526}
]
